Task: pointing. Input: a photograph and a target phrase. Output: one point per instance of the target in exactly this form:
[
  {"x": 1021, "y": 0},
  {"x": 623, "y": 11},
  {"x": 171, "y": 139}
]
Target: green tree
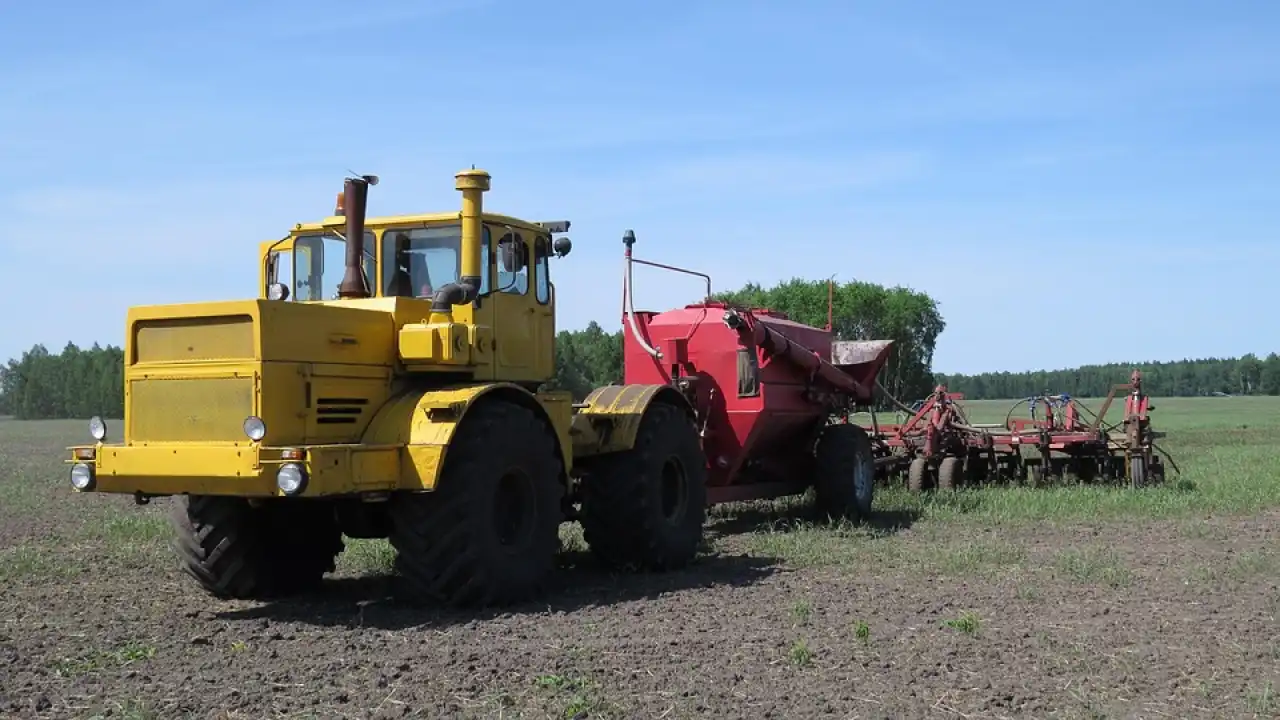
[
  {"x": 587, "y": 359},
  {"x": 73, "y": 384},
  {"x": 1246, "y": 375}
]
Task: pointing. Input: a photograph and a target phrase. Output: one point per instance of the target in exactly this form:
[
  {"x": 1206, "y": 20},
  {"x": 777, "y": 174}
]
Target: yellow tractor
[{"x": 385, "y": 384}]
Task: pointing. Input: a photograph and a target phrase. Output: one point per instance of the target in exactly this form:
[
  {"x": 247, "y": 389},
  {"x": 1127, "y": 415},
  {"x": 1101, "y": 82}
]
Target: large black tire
[
  {"x": 489, "y": 534},
  {"x": 950, "y": 473},
  {"x": 643, "y": 509},
  {"x": 918, "y": 476},
  {"x": 845, "y": 473},
  {"x": 235, "y": 550}
]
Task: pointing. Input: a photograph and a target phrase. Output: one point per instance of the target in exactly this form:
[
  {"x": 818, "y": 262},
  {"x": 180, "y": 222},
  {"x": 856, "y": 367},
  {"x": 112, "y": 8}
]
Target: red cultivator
[{"x": 940, "y": 448}]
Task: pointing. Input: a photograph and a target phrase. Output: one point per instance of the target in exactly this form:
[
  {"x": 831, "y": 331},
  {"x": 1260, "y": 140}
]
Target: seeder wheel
[
  {"x": 919, "y": 478},
  {"x": 845, "y": 479},
  {"x": 1137, "y": 471},
  {"x": 950, "y": 473}
]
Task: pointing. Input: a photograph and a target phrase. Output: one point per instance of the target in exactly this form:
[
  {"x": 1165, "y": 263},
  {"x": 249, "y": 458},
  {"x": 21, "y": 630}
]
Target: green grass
[{"x": 1226, "y": 447}]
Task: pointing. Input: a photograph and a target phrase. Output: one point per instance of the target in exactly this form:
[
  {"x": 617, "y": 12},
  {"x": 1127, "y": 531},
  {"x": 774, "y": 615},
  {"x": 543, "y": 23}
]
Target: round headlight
[
  {"x": 97, "y": 428},
  {"x": 81, "y": 476},
  {"x": 291, "y": 478},
  {"x": 254, "y": 428}
]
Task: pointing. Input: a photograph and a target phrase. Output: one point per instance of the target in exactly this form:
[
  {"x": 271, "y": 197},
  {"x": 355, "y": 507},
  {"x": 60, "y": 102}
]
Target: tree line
[
  {"x": 78, "y": 383},
  {"x": 73, "y": 384},
  {"x": 1246, "y": 375}
]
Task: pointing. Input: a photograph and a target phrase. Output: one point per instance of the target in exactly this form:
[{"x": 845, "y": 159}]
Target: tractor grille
[{"x": 189, "y": 409}]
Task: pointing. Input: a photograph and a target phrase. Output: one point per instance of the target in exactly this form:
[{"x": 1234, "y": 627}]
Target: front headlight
[
  {"x": 97, "y": 428},
  {"x": 81, "y": 477},
  {"x": 254, "y": 428},
  {"x": 291, "y": 479}
]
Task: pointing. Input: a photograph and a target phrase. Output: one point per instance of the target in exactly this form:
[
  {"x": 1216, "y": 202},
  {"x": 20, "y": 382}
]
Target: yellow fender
[
  {"x": 608, "y": 420},
  {"x": 422, "y": 423}
]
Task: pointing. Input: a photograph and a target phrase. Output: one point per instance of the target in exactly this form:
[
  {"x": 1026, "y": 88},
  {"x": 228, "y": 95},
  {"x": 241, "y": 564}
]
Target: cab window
[
  {"x": 418, "y": 261},
  {"x": 542, "y": 270},
  {"x": 281, "y": 269},
  {"x": 314, "y": 270},
  {"x": 513, "y": 264}
]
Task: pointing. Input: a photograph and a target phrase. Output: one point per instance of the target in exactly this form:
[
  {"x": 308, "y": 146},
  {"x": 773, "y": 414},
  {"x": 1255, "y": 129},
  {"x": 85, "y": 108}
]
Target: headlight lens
[
  {"x": 254, "y": 428},
  {"x": 291, "y": 478},
  {"x": 81, "y": 476},
  {"x": 97, "y": 428}
]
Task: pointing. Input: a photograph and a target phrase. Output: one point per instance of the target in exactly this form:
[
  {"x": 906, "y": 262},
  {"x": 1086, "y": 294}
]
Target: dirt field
[{"x": 1075, "y": 603}]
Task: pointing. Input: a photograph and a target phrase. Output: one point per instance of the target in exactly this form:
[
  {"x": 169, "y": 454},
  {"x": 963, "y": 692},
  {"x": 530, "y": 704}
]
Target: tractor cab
[
  {"x": 412, "y": 257},
  {"x": 415, "y": 266}
]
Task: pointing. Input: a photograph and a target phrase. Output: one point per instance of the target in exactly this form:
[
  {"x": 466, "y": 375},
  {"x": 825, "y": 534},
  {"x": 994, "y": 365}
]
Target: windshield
[
  {"x": 416, "y": 262},
  {"x": 314, "y": 270}
]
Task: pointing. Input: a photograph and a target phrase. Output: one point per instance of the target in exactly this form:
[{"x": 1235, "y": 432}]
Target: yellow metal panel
[
  {"x": 441, "y": 343},
  {"x": 282, "y": 402},
  {"x": 421, "y": 467},
  {"x": 238, "y": 470},
  {"x": 612, "y": 417},
  {"x": 376, "y": 469},
  {"x": 326, "y": 333},
  {"x": 559, "y": 407},
  {"x": 342, "y": 407},
  {"x": 190, "y": 409},
  {"x": 197, "y": 469},
  {"x": 424, "y": 422},
  {"x": 186, "y": 339}
]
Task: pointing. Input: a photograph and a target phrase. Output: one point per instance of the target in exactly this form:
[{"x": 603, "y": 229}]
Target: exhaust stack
[
  {"x": 355, "y": 195},
  {"x": 473, "y": 184}
]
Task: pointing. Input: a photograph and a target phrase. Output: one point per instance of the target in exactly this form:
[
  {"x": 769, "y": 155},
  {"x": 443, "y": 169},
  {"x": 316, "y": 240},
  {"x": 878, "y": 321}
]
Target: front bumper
[{"x": 236, "y": 469}]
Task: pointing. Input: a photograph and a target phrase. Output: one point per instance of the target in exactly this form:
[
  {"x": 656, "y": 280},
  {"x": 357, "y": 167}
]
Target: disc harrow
[{"x": 1060, "y": 440}]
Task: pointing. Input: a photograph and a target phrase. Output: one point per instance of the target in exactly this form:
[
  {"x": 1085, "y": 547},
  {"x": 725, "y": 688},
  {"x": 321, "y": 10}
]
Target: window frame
[
  {"x": 748, "y": 364},
  {"x": 521, "y": 256},
  {"x": 369, "y": 266},
  {"x": 542, "y": 269}
]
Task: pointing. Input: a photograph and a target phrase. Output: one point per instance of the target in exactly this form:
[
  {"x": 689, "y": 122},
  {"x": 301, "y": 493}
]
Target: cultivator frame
[{"x": 939, "y": 448}]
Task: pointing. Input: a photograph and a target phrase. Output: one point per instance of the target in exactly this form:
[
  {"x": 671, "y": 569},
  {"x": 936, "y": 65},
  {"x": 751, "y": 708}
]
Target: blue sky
[{"x": 1093, "y": 183}]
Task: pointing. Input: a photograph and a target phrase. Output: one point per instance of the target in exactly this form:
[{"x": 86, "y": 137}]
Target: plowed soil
[{"x": 910, "y": 618}]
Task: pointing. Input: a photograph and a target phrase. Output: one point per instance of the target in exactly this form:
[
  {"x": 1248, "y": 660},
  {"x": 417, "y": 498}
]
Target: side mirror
[
  {"x": 562, "y": 246},
  {"x": 278, "y": 291},
  {"x": 514, "y": 254}
]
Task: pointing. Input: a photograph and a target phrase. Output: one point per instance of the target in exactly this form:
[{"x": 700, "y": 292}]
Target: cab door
[
  {"x": 515, "y": 322},
  {"x": 544, "y": 309}
]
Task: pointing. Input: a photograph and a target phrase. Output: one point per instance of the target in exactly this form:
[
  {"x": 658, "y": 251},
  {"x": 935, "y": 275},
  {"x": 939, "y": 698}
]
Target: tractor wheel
[
  {"x": 918, "y": 479},
  {"x": 235, "y": 550},
  {"x": 845, "y": 479},
  {"x": 643, "y": 509},
  {"x": 489, "y": 534},
  {"x": 950, "y": 473}
]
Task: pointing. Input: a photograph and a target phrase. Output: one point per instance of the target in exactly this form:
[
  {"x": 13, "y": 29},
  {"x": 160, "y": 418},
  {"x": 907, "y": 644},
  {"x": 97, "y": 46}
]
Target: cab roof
[{"x": 374, "y": 223}]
